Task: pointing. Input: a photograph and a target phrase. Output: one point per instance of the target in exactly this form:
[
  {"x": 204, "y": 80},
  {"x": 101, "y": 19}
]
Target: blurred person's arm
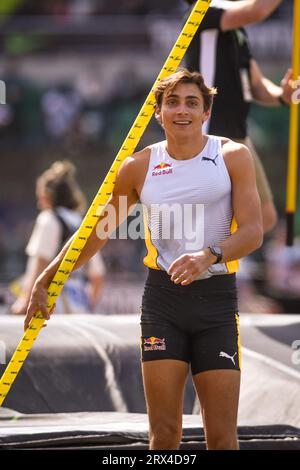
[
  {"x": 244, "y": 12},
  {"x": 96, "y": 274},
  {"x": 95, "y": 289},
  {"x": 42, "y": 247},
  {"x": 227, "y": 15},
  {"x": 266, "y": 92},
  {"x": 224, "y": 16},
  {"x": 36, "y": 266},
  {"x": 125, "y": 186}
]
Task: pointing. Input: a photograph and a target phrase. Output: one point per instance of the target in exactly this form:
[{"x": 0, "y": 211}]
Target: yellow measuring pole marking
[
  {"x": 102, "y": 197},
  {"x": 294, "y": 119}
]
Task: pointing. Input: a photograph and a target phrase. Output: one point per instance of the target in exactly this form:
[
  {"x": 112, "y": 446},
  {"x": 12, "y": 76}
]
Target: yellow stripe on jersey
[
  {"x": 233, "y": 266},
  {"x": 150, "y": 259}
]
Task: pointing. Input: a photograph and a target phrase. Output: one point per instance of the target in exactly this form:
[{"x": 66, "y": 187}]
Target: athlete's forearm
[
  {"x": 47, "y": 275},
  {"x": 266, "y": 6},
  {"x": 241, "y": 243},
  {"x": 39, "y": 265},
  {"x": 186, "y": 268},
  {"x": 91, "y": 247},
  {"x": 267, "y": 93}
]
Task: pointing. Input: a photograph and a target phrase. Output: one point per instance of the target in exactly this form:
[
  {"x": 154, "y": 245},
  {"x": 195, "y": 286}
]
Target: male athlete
[{"x": 189, "y": 313}]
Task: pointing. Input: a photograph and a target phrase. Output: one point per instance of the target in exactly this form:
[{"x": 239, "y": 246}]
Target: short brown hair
[{"x": 168, "y": 84}]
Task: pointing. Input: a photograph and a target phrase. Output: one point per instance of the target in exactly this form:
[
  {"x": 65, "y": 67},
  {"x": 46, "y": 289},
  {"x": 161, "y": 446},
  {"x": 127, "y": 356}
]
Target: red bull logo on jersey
[
  {"x": 162, "y": 169},
  {"x": 154, "y": 344}
]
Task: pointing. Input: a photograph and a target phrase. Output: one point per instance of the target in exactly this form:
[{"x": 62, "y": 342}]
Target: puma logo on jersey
[
  {"x": 224, "y": 354},
  {"x": 210, "y": 159}
]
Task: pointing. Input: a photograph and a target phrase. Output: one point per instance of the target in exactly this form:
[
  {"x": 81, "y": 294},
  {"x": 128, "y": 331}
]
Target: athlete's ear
[
  {"x": 158, "y": 116},
  {"x": 206, "y": 115}
]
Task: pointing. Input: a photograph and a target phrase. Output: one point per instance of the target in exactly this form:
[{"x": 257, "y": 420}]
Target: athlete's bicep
[
  {"x": 123, "y": 197},
  {"x": 245, "y": 199},
  {"x": 125, "y": 184}
]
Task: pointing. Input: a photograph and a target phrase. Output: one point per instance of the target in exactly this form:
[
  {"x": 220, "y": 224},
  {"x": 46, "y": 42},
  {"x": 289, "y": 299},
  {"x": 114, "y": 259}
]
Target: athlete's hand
[
  {"x": 287, "y": 86},
  {"x": 37, "y": 303},
  {"x": 188, "y": 267}
]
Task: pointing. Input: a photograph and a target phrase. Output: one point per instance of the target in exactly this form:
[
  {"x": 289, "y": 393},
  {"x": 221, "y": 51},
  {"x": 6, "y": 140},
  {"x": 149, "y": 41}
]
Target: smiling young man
[{"x": 189, "y": 308}]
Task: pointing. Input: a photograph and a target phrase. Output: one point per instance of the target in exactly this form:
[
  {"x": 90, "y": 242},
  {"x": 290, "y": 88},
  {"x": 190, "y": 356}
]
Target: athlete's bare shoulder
[
  {"x": 135, "y": 162},
  {"x": 236, "y": 154},
  {"x": 230, "y": 146},
  {"x": 134, "y": 168},
  {"x": 142, "y": 156}
]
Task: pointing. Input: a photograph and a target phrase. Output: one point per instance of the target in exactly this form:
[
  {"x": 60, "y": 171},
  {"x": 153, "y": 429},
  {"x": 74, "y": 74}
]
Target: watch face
[{"x": 217, "y": 250}]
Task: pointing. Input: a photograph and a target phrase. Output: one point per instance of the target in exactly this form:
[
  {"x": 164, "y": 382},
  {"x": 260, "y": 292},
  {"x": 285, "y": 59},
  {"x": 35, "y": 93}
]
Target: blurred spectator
[
  {"x": 65, "y": 8},
  {"x": 250, "y": 299},
  {"x": 11, "y": 112},
  {"x": 283, "y": 270},
  {"x": 61, "y": 106},
  {"x": 20, "y": 117},
  {"x": 61, "y": 203}
]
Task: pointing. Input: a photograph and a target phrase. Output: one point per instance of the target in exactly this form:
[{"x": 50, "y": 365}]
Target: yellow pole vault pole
[
  {"x": 293, "y": 135},
  {"x": 102, "y": 197}
]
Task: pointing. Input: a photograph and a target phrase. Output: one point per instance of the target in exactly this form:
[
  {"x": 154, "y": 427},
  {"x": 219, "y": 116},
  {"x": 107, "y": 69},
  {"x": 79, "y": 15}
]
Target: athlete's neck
[{"x": 185, "y": 148}]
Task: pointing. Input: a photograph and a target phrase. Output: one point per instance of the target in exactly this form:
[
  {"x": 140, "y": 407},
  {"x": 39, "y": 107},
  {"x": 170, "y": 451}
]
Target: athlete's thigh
[
  {"x": 164, "y": 383},
  {"x": 218, "y": 393}
]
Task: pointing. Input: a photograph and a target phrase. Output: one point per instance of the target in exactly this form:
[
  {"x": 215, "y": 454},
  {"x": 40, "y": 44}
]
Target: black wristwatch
[{"x": 216, "y": 251}]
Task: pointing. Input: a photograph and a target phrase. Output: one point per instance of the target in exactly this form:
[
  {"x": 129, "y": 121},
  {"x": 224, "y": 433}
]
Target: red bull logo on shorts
[
  {"x": 152, "y": 343},
  {"x": 162, "y": 169}
]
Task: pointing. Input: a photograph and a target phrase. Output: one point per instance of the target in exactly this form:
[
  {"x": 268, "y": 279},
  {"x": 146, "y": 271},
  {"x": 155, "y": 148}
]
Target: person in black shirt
[{"x": 221, "y": 52}]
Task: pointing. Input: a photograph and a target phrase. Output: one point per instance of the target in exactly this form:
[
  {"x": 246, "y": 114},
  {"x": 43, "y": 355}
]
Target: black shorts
[{"x": 197, "y": 323}]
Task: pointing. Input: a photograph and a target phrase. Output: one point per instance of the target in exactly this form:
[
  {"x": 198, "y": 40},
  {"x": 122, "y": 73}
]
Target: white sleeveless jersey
[{"x": 187, "y": 206}]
